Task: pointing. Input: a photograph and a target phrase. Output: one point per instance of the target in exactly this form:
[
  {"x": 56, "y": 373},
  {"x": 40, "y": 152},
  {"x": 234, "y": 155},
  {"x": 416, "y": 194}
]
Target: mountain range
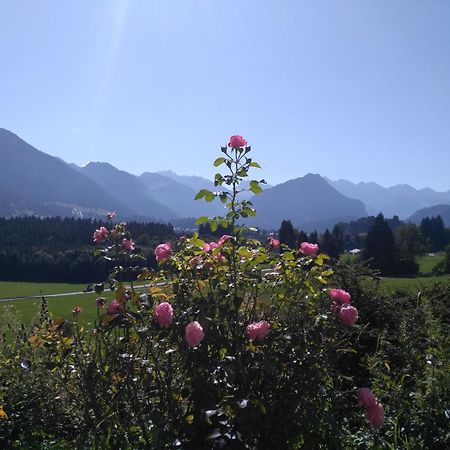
[
  {"x": 401, "y": 200},
  {"x": 33, "y": 182}
]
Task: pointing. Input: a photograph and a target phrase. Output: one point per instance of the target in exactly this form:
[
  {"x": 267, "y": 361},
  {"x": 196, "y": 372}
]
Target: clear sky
[{"x": 346, "y": 88}]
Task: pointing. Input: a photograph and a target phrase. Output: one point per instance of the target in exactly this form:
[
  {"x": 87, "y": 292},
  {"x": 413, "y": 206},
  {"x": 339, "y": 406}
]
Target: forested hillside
[{"x": 56, "y": 249}]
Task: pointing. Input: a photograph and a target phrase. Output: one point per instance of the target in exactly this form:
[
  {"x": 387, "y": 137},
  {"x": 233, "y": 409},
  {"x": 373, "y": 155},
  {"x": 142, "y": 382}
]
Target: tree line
[
  {"x": 387, "y": 245},
  {"x": 61, "y": 249}
]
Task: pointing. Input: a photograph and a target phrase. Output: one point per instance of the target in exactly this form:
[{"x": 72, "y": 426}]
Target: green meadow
[{"x": 26, "y": 310}]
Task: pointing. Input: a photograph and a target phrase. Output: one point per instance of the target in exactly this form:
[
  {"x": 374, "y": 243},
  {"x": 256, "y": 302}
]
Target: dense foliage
[{"x": 235, "y": 344}]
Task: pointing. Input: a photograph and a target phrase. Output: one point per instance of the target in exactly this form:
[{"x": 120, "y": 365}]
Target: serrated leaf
[
  {"x": 201, "y": 220},
  {"x": 255, "y": 187},
  {"x": 200, "y": 194},
  {"x": 219, "y": 161}
]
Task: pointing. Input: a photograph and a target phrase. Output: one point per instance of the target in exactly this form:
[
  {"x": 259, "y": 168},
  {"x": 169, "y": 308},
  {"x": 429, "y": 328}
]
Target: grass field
[
  {"x": 411, "y": 284},
  {"x": 428, "y": 262},
  {"x": 24, "y": 311}
]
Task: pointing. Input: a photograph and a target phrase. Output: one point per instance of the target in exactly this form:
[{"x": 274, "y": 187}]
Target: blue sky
[{"x": 349, "y": 89}]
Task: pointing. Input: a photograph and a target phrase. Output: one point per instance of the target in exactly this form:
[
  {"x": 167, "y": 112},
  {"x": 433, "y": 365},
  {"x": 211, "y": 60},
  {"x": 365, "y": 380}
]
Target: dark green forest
[{"x": 62, "y": 250}]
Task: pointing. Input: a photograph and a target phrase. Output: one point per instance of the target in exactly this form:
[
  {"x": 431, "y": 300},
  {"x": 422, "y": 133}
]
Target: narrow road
[{"x": 64, "y": 294}]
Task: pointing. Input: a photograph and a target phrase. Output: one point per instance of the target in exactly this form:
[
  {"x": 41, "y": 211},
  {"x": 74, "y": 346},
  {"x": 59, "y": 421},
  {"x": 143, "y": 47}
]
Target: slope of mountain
[
  {"x": 306, "y": 200},
  {"x": 129, "y": 190},
  {"x": 178, "y": 196},
  {"x": 194, "y": 182},
  {"x": 198, "y": 183},
  {"x": 33, "y": 182},
  {"x": 401, "y": 200},
  {"x": 432, "y": 211}
]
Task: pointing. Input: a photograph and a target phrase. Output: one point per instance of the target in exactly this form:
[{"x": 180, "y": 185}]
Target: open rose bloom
[
  {"x": 237, "y": 141},
  {"x": 374, "y": 409},
  {"x": 163, "y": 251},
  {"x": 164, "y": 314},
  {"x": 115, "y": 307},
  {"x": 257, "y": 331},
  {"x": 273, "y": 243},
  {"x": 309, "y": 249},
  {"x": 100, "y": 234},
  {"x": 128, "y": 245},
  {"x": 340, "y": 296},
  {"x": 194, "y": 334}
]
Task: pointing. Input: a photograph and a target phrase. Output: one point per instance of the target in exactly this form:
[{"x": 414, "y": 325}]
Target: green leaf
[
  {"x": 249, "y": 211},
  {"x": 219, "y": 161},
  {"x": 319, "y": 260},
  {"x": 202, "y": 193},
  {"x": 255, "y": 187},
  {"x": 210, "y": 196},
  {"x": 213, "y": 226},
  {"x": 201, "y": 220},
  {"x": 223, "y": 197},
  {"x": 255, "y": 164}
]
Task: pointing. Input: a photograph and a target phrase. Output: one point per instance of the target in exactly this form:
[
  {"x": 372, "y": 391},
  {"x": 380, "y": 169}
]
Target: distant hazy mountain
[
  {"x": 432, "y": 211},
  {"x": 32, "y": 182},
  {"x": 308, "y": 202},
  {"x": 402, "y": 199},
  {"x": 129, "y": 190},
  {"x": 178, "y": 196},
  {"x": 193, "y": 181}
]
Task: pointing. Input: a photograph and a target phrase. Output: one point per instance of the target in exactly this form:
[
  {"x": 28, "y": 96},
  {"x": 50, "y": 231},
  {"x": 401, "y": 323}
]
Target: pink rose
[
  {"x": 340, "y": 296},
  {"x": 100, "y": 234},
  {"x": 348, "y": 315},
  {"x": 115, "y": 307},
  {"x": 210, "y": 247},
  {"x": 273, "y": 243},
  {"x": 365, "y": 397},
  {"x": 76, "y": 310},
  {"x": 257, "y": 331},
  {"x": 375, "y": 414},
  {"x": 224, "y": 238},
  {"x": 164, "y": 314},
  {"x": 194, "y": 334},
  {"x": 127, "y": 244},
  {"x": 309, "y": 249},
  {"x": 237, "y": 141},
  {"x": 219, "y": 257},
  {"x": 163, "y": 251},
  {"x": 100, "y": 302}
]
